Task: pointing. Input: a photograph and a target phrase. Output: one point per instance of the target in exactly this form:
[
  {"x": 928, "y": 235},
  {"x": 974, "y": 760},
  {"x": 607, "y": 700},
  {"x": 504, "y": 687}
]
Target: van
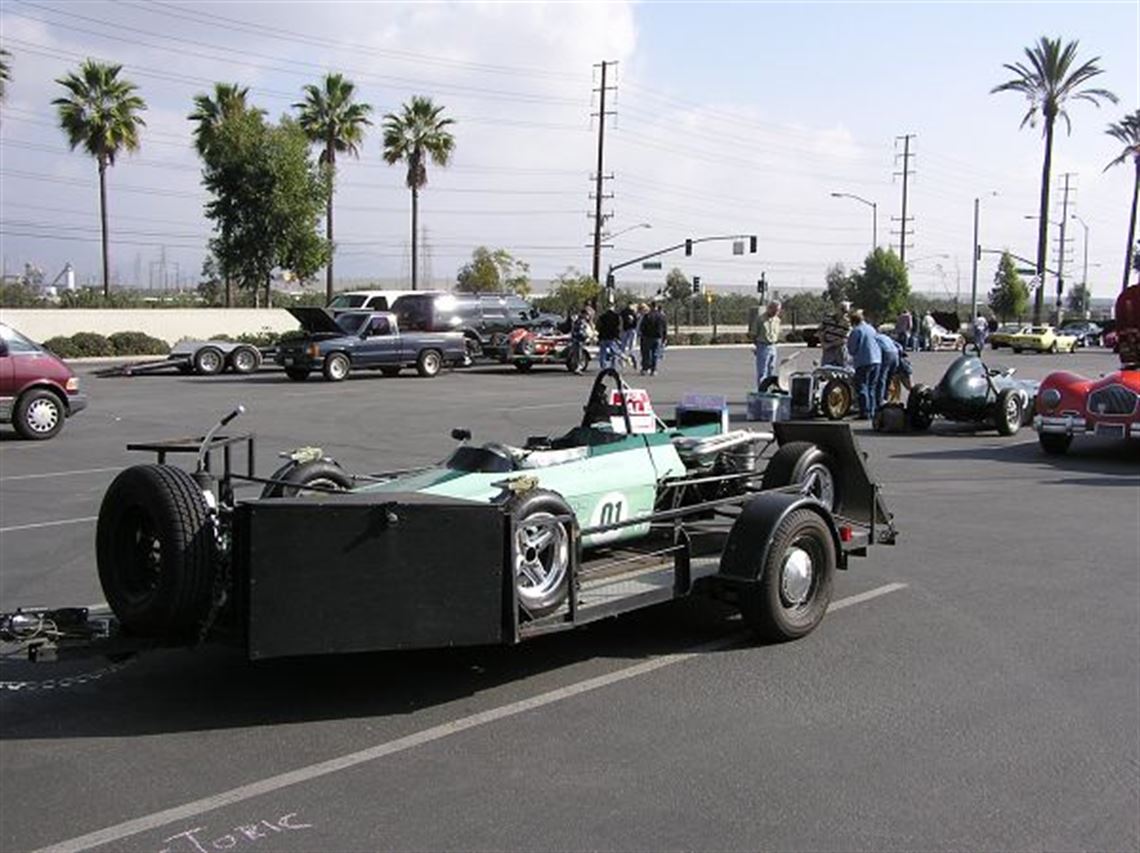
[{"x": 37, "y": 390}]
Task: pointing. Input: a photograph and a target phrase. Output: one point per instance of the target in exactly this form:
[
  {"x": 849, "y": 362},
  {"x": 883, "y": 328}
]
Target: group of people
[
  {"x": 845, "y": 337},
  {"x": 635, "y": 333}
]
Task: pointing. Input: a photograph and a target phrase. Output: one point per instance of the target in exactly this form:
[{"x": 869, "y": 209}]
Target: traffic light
[
  {"x": 696, "y": 285},
  {"x": 610, "y": 283},
  {"x": 688, "y": 247},
  {"x": 762, "y": 285},
  {"x": 752, "y": 244}
]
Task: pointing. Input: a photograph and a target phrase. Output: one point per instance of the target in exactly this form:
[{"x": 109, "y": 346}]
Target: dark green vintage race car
[{"x": 974, "y": 392}]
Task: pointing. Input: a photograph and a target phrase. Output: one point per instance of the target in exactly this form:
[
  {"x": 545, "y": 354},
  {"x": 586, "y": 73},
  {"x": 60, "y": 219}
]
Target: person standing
[
  {"x": 981, "y": 332},
  {"x": 889, "y": 357},
  {"x": 629, "y": 320},
  {"x": 866, "y": 357},
  {"x": 579, "y": 335},
  {"x": 609, "y": 335},
  {"x": 904, "y": 328},
  {"x": 833, "y": 333},
  {"x": 765, "y": 332},
  {"x": 927, "y": 342},
  {"x": 654, "y": 331}
]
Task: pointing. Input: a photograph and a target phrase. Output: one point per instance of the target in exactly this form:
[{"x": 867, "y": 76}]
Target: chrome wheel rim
[
  {"x": 244, "y": 361},
  {"x": 338, "y": 368},
  {"x": 797, "y": 574},
  {"x": 43, "y": 415},
  {"x": 209, "y": 362},
  {"x": 542, "y": 558},
  {"x": 431, "y": 362},
  {"x": 818, "y": 482}
]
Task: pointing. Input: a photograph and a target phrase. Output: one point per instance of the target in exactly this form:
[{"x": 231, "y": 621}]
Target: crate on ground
[{"x": 769, "y": 407}]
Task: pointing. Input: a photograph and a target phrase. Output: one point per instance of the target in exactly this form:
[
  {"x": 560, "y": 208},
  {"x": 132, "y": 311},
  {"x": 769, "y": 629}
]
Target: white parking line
[
  {"x": 40, "y": 524},
  {"x": 58, "y": 474},
  {"x": 352, "y": 759}
]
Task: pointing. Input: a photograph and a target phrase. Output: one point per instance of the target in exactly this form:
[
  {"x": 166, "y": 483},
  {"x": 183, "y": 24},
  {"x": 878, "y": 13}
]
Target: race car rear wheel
[
  {"x": 920, "y": 408},
  {"x": 289, "y": 479},
  {"x": 795, "y": 580},
  {"x": 836, "y": 400},
  {"x": 805, "y": 464},
  {"x": 1009, "y": 412},
  {"x": 541, "y": 552},
  {"x": 1055, "y": 444},
  {"x": 156, "y": 552}
]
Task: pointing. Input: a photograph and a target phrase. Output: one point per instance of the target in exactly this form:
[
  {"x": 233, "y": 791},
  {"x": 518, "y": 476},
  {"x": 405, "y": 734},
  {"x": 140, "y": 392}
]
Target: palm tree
[
  {"x": 1127, "y": 130},
  {"x": 329, "y": 117},
  {"x": 101, "y": 114},
  {"x": 3, "y": 72},
  {"x": 210, "y": 112},
  {"x": 1049, "y": 80},
  {"x": 413, "y": 136},
  {"x": 229, "y": 99}
]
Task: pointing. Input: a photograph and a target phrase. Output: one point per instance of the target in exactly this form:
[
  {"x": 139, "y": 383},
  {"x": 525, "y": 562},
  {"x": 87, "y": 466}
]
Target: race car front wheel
[
  {"x": 321, "y": 475},
  {"x": 1009, "y": 412},
  {"x": 804, "y": 464},
  {"x": 541, "y": 552},
  {"x": 155, "y": 551}
]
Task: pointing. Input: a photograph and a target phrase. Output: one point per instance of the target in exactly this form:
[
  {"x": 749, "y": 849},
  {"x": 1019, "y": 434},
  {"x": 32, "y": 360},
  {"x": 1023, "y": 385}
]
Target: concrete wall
[{"x": 168, "y": 324}]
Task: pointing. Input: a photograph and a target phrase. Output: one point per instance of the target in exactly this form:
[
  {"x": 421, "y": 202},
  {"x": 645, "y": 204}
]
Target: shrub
[
  {"x": 137, "y": 343},
  {"x": 62, "y": 346},
  {"x": 91, "y": 345}
]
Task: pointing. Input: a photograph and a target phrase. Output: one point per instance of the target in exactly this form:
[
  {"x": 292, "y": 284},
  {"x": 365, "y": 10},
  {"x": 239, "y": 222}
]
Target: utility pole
[
  {"x": 1085, "y": 274},
  {"x": 1061, "y": 250},
  {"x": 906, "y": 171},
  {"x": 600, "y": 175}
]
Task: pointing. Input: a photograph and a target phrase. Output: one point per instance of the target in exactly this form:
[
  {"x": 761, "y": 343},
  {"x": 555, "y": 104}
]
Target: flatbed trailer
[
  {"x": 323, "y": 571},
  {"x": 204, "y": 358}
]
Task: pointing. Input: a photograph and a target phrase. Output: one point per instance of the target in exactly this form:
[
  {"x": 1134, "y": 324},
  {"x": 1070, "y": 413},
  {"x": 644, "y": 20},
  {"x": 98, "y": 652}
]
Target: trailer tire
[
  {"x": 795, "y": 580},
  {"x": 801, "y": 462},
  {"x": 245, "y": 360},
  {"x": 540, "y": 552},
  {"x": 156, "y": 552},
  {"x": 209, "y": 361},
  {"x": 292, "y": 476}
]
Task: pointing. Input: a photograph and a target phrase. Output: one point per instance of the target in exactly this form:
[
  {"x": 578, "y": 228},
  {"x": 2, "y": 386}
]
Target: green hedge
[{"x": 92, "y": 345}]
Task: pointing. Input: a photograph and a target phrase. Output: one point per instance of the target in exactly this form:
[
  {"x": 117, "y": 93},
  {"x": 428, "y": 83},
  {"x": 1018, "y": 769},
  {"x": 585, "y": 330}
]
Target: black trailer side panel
[{"x": 349, "y": 573}]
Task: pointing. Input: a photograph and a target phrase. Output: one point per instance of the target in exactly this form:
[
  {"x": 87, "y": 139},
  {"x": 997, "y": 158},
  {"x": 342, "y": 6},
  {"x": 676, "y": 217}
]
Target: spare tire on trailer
[
  {"x": 156, "y": 552},
  {"x": 804, "y": 463}
]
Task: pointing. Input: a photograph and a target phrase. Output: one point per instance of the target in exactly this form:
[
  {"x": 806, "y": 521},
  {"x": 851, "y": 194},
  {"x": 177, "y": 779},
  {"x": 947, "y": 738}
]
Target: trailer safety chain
[{"x": 65, "y": 682}]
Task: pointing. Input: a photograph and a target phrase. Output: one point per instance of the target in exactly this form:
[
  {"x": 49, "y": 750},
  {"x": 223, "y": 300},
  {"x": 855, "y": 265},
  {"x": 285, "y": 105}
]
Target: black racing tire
[
  {"x": 769, "y": 384},
  {"x": 541, "y": 552},
  {"x": 1009, "y": 411},
  {"x": 796, "y": 579},
  {"x": 209, "y": 361},
  {"x": 290, "y": 477},
  {"x": 800, "y": 462},
  {"x": 297, "y": 374},
  {"x": 429, "y": 363},
  {"x": 245, "y": 360},
  {"x": 523, "y": 366},
  {"x": 336, "y": 367},
  {"x": 39, "y": 414},
  {"x": 1054, "y": 443},
  {"x": 836, "y": 400},
  {"x": 393, "y": 370},
  {"x": 155, "y": 552},
  {"x": 918, "y": 408}
]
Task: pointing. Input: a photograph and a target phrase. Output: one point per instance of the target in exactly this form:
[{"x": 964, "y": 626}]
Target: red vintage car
[{"x": 1069, "y": 405}]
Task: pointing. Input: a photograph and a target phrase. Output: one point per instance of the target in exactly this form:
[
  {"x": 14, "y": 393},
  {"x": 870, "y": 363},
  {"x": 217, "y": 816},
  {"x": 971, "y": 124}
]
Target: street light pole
[
  {"x": 874, "y": 215},
  {"x": 974, "y": 271}
]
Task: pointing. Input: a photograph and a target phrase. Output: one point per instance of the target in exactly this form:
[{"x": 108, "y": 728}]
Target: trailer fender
[{"x": 751, "y": 536}]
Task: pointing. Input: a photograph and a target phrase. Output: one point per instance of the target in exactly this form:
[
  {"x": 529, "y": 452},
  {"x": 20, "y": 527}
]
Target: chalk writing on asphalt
[{"x": 200, "y": 839}]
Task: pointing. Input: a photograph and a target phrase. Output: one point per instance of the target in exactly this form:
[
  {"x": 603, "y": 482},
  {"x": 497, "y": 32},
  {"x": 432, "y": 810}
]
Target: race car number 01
[{"x": 612, "y": 508}]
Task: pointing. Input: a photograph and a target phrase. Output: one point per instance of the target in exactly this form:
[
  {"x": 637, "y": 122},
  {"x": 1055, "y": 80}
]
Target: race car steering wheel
[{"x": 598, "y": 408}]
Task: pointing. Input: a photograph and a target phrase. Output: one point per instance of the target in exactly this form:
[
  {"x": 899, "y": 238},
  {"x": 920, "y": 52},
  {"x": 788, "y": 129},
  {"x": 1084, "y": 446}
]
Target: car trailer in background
[{"x": 204, "y": 358}]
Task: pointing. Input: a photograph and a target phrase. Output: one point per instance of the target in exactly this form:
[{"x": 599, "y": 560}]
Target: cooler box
[{"x": 769, "y": 407}]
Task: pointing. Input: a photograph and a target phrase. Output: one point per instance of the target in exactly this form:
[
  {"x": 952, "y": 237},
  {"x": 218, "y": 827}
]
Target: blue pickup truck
[{"x": 365, "y": 340}]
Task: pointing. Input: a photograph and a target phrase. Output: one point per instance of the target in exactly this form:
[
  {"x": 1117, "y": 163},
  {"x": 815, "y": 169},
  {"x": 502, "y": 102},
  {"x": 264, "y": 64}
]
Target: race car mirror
[{"x": 641, "y": 416}]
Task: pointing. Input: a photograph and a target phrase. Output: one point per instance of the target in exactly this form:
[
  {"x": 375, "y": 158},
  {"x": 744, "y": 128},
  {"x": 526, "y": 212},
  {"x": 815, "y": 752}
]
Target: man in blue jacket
[
  {"x": 866, "y": 357},
  {"x": 888, "y": 366}
]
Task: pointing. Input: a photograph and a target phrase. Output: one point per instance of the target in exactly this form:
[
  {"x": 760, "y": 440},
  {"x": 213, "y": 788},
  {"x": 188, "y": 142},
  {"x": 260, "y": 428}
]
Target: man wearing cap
[{"x": 765, "y": 331}]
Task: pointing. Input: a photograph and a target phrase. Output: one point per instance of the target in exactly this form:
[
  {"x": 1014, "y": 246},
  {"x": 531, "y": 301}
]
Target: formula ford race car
[
  {"x": 496, "y": 544},
  {"x": 526, "y": 347},
  {"x": 972, "y": 391}
]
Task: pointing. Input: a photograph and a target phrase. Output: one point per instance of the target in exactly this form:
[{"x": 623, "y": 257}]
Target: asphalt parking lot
[{"x": 977, "y": 686}]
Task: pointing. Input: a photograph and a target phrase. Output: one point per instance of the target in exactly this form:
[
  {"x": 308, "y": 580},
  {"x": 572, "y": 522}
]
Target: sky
[{"x": 728, "y": 118}]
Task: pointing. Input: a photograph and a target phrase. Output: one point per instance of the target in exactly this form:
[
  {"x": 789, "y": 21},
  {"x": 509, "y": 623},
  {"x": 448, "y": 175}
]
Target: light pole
[
  {"x": 626, "y": 230},
  {"x": 977, "y": 257},
  {"x": 874, "y": 215},
  {"x": 1085, "y": 274}
]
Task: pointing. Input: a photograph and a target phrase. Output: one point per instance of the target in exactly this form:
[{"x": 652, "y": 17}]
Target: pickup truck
[{"x": 364, "y": 340}]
